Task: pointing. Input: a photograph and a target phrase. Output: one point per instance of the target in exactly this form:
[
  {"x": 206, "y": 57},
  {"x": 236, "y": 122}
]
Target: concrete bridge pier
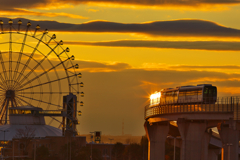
[
  {"x": 213, "y": 153},
  {"x": 193, "y": 139},
  {"x": 205, "y": 143},
  {"x": 229, "y": 134},
  {"x": 156, "y": 134}
]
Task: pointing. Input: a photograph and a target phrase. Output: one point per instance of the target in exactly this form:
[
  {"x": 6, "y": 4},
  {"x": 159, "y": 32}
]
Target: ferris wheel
[{"x": 35, "y": 69}]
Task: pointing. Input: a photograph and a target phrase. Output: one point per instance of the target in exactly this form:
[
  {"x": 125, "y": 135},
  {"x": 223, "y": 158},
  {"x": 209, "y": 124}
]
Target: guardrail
[{"x": 224, "y": 104}]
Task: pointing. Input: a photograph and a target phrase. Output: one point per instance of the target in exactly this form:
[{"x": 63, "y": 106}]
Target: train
[{"x": 202, "y": 93}]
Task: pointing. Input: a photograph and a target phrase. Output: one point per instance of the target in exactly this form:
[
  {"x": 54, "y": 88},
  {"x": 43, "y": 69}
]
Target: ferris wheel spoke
[
  {"x": 23, "y": 101},
  {"x": 55, "y": 120},
  {"x": 3, "y": 82},
  {"x": 54, "y": 67},
  {"x": 16, "y": 83},
  {"x": 10, "y": 55},
  {"x": 44, "y": 92},
  {"x": 2, "y": 100},
  {"x": 36, "y": 77},
  {"x": 2, "y": 111},
  {"x": 2, "y": 79},
  {"x": 50, "y": 122},
  {"x": 4, "y": 69},
  {"x": 21, "y": 51},
  {"x": 39, "y": 100},
  {"x": 19, "y": 102},
  {"x": 46, "y": 83},
  {"x": 46, "y": 56},
  {"x": 30, "y": 57},
  {"x": 2, "y": 87},
  {"x": 6, "y": 108}
]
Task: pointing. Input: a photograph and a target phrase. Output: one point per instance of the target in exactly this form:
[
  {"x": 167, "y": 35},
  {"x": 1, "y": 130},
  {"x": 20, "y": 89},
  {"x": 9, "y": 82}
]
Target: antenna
[{"x": 123, "y": 127}]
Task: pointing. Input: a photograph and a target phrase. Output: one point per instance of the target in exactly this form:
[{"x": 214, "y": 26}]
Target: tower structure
[{"x": 69, "y": 120}]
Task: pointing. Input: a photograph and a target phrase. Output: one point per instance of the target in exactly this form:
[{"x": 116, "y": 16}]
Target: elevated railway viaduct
[{"x": 193, "y": 123}]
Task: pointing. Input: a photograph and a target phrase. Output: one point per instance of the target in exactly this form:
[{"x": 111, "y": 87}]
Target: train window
[
  {"x": 174, "y": 93},
  {"x": 210, "y": 91},
  {"x": 214, "y": 91},
  {"x": 199, "y": 92},
  {"x": 169, "y": 93},
  {"x": 195, "y": 93},
  {"x": 190, "y": 93},
  {"x": 181, "y": 93},
  {"x": 205, "y": 90}
]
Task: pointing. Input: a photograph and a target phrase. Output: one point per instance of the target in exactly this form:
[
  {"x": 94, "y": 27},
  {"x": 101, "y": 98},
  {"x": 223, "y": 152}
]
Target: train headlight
[{"x": 155, "y": 98}]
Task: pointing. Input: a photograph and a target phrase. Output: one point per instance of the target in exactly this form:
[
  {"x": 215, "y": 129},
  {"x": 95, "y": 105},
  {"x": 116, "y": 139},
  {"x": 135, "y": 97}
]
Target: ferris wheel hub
[{"x": 10, "y": 94}]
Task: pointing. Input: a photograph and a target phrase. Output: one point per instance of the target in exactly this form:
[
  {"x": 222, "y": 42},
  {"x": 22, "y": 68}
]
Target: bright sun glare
[{"x": 155, "y": 95}]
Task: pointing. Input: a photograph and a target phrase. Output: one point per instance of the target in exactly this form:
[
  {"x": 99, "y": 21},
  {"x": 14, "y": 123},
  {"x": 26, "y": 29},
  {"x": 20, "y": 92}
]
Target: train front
[{"x": 155, "y": 99}]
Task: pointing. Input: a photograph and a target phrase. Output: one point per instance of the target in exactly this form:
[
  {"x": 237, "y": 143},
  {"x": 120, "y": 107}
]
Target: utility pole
[
  {"x": 229, "y": 144},
  {"x": 110, "y": 148},
  {"x": 13, "y": 146},
  {"x": 91, "y": 142}
]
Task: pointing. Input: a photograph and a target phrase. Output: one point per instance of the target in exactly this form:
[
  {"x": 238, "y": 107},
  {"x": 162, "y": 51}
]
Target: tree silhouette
[
  {"x": 25, "y": 135},
  {"x": 118, "y": 150}
]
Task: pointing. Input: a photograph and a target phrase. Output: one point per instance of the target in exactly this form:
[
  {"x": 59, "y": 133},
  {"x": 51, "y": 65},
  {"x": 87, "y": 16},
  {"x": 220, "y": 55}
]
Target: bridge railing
[{"x": 223, "y": 104}]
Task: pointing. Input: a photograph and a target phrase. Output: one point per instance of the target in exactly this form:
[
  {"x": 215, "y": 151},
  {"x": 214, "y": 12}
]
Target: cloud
[
  {"x": 174, "y": 28},
  {"x": 92, "y": 10},
  {"x": 92, "y": 66},
  {"x": 46, "y": 4},
  {"x": 24, "y": 12},
  {"x": 198, "y": 45},
  {"x": 211, "y": 68}
]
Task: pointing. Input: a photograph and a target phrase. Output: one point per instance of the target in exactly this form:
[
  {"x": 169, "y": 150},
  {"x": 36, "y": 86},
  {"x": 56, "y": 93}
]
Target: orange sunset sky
[{"x": 127, "y": 49}]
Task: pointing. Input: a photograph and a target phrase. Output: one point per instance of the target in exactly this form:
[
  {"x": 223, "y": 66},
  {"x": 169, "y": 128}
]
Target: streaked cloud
[
  {"x": 92, "y": 66},
  {"x": 134, "y": 4},
  {"x": 25, "y": 12},
  {"x": 210, "y": 68},
  {"x": 92, "y": 10},
  {"x": 95, "y": 66},
  {"x": 197, "y": 45},
  {"x": 174, "y": 28}
]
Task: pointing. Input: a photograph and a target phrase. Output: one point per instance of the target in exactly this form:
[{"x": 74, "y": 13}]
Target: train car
[{"x": 202, "y": 93}]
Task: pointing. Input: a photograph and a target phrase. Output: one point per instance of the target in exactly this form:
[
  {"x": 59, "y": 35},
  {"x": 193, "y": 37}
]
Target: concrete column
[
  {"x": 213, "y": 154},
  {"x": 157, "y": 134},
  {"x": 230, "y": 137},
  {"x": 205, "y": 143},
  {"x": 192, "y": 133}
]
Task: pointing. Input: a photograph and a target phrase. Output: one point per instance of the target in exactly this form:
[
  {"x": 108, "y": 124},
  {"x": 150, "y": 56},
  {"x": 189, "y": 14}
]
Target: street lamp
[
  {"x": 13, "y": 146},
  {"x": 34, "y": 147},
  {"x": 110, "y": 147},
  {"x": 174, "y": 144},
  {"x": 229, "y": 144},
  {"x": 4, "y": 131},
  {"x": 91, "y": 142}
]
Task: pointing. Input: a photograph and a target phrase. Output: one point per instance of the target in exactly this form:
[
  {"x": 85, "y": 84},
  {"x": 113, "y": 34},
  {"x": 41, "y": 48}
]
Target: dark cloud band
[
  {"x": 46, "y": 3},
  {"x": 198, "y": 45},
  {"x": 176, "y": 28}
]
